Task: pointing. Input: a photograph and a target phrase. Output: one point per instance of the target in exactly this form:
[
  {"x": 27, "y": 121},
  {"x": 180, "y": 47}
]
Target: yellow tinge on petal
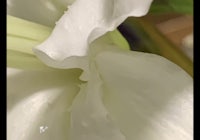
[{"x": 22, "y": 36}]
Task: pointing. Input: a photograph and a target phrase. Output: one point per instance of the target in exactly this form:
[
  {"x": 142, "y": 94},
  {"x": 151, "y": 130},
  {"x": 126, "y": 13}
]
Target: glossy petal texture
[
  {"x": 89, "y": 117},
  {"x": 110, "y": 38},
  {"x": 22, "y": 35},
  {"x": 132, "y": 95},
  {"x": 129, "y": 95},
  {"x": 38, "y": 103},
  {"x": 45, "y": 12},
  {"x": 85, "y": 21},
  {"x": 147, "y": 96}
]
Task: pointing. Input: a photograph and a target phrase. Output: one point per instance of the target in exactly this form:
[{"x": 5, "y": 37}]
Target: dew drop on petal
[{"x": 43, "y": 129}]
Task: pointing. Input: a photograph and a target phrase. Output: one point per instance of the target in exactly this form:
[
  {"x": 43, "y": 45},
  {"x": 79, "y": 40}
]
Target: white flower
[{"x": 121, "y": 95}]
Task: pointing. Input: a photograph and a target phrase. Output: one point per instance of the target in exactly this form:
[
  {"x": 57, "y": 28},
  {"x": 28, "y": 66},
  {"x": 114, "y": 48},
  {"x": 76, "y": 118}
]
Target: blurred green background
[{"x": 167, "y": 30}]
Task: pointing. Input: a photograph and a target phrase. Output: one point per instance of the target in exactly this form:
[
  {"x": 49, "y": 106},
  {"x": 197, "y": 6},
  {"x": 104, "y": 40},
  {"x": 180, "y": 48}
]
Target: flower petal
[
  {"x": 89, "y": 117},
  {"x": 26, "y": 61},
  {"x": 132, "y": 95},
  {"x": 147, "y": 96},
  {"x": 38, "y": 103},
  {"x": 114, "y": 38},
  {"x": 22, "y": 35},
  {"x": 85, "y": 21},
  {"x": 28, "y": 30},
  {"x": 45, "y": 12}
]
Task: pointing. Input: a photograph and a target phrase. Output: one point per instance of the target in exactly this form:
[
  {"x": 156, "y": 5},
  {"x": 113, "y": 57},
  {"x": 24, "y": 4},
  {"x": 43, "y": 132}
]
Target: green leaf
[{"x": 172, "y": 6}]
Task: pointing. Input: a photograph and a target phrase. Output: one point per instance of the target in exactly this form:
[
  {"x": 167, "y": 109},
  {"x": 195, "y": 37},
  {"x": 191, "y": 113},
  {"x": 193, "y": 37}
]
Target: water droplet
[{"x": 43, "y": 129}]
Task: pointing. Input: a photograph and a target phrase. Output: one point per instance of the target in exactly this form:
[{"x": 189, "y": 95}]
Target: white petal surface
[
  {"x": 129, "y": 95},
  {"x": 147, "y": 96},
  {"x": 89, "y": 117},
  {"x": 45, "y": 12},
  {"x": 38, "y": 104},
  {"x": 85, "y": 21}
]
